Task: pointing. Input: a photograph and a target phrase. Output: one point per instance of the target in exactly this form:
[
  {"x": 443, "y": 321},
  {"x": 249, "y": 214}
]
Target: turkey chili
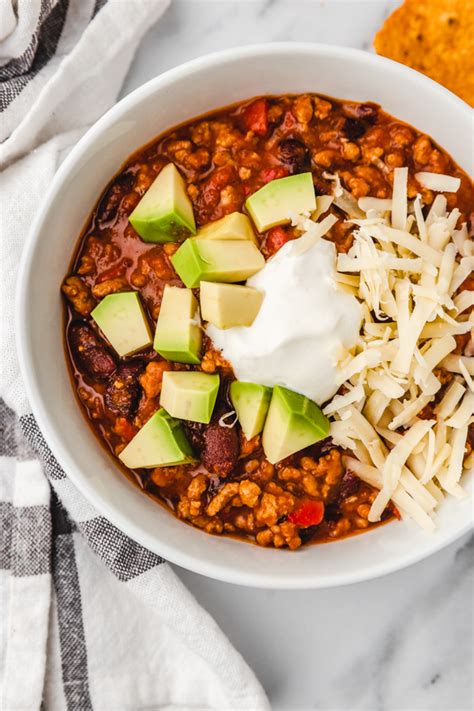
[{"x": 216, "y": 471}]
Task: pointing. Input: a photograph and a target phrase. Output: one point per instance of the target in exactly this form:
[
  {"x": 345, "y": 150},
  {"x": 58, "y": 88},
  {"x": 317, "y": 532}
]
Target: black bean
[
  {"x": 332, "y": 513},
  {"x": 320, "y": 449},
  {"x": 354, "y": 128},
  {"x": 295, "y": 155},
  {"x": 349, "y": 485},
  {"x": 367, "y": 112},
  {"x": 195, "y": 432},
  {"x": 306, "y": 534}
]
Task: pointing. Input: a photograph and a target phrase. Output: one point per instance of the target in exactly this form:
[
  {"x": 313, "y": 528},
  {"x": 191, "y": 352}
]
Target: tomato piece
[
  {"x": 125, "y": 429},
  {"x": 255, "y": 117},
  {"x": 276, "y": 238},
  {"x": 118, "y": 270},
  {"x": 309, "y": 513},
  {"x": 273, "y": 173}
]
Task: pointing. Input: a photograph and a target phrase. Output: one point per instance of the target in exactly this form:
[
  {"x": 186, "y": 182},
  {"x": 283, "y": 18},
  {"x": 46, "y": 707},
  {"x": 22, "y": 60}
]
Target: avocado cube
[
  {"x": 161, "y": 442},
  {"x": 251, "y": 403},
  {"x": 233, "y": 226},
  {"x": 274, "y": 203},
  {"x": 229, "y": 305},
  {"x": 216, "y": 260},
  {"x": 178, "y": 333},
  {"x": 293, "y": 423},
  {"x": 165, "y": 212},
  {"x": 123, "y": 322},
  {"x": 189, "y": 395}
]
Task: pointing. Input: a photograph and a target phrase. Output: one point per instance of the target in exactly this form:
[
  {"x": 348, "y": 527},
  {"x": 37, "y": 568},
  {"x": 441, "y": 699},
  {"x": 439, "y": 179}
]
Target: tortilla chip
[{"x": 435, "y": 37}]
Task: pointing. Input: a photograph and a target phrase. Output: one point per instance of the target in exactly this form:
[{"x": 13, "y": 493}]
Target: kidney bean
[
  {"x": 89, "y": 353},
  {"x": 123, "y": 389},
  {"x": 210, "y": 192},
  {"x": 195, "y": 432},
  {"x": 221, "y": 449},
  {"x": 275, "y": 239}
]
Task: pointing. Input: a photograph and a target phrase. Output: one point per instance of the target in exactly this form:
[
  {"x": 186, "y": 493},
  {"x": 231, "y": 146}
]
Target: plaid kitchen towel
[{"x": 88, "y": 618}]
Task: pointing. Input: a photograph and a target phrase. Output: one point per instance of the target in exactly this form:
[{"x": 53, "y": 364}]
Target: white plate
[{"x": 176, "y": 96}]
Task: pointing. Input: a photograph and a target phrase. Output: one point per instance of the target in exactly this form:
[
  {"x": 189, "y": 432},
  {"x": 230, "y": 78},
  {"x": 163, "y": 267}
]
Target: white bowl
[{"x": 180, "y": 94}]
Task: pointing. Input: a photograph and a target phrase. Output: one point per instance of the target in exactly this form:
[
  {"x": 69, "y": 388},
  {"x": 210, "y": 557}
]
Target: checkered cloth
[{"x": 89, "y": 619}]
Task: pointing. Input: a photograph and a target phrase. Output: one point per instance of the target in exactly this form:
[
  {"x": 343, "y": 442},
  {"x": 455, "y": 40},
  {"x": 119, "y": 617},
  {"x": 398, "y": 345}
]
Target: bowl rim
[{"x": 221, "y": 571}]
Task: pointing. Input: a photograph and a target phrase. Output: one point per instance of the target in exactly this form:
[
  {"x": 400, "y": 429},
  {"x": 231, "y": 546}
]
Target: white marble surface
[{"x": 400, "y": 643}]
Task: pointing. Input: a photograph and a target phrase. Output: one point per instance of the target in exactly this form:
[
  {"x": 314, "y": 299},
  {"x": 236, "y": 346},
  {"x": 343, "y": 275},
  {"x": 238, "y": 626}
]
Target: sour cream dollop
[{"x": 300, "y": 328}]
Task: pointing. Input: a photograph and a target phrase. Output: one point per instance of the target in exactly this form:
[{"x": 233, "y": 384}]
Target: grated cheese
[
  {"x": 438, "y": 182},
  {"x": 323, "y": 203},
  {"x": 340, "y": 401},
  {"x": 399, "y": 198},
  {"x": 406, "y": 270},
  {"x": 450, "y": 399},
  {"x": 377, "y": 204},
  {"x": 459, "y": 364},
  {"x": 464, "y": 413}
]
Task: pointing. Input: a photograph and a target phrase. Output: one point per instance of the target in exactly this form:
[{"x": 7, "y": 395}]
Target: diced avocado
[
  {"x": 161, "y": 442},
  {"x": 189, "y": 395},
  {"x": 178, "y": 333},
  {"x": 216, "y": 260},
  {"x": 123, "y": 322},
  {"x": 233, "y": 226},
  {"x": 274, "y": 203},
  {"x": 165, "y": 212},
  {"x": 293, "y": 423},
  {"x": 229, "y": 305},
  {"x": 251, "y": 403}
]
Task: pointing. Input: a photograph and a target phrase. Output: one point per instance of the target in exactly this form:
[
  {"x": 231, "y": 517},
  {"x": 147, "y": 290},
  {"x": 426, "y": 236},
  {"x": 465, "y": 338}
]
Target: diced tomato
[
  {"x": 273, "y": 173},
  {"x": 222, "y": 177},
  {"x": 276, "y": 238},
  {"x": 255, "y": 117},
  {"x": 118, "y": 270},
  {"x": 125, "y": 429},
  {"x": 309, "y": 513}
]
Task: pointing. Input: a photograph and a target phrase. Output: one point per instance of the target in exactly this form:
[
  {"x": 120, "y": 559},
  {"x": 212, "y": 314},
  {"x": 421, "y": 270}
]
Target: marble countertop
[{"x": 400, "y": 643}]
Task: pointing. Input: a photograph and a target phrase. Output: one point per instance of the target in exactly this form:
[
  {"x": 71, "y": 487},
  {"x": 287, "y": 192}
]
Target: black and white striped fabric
[{"x": 89, "y": 619}]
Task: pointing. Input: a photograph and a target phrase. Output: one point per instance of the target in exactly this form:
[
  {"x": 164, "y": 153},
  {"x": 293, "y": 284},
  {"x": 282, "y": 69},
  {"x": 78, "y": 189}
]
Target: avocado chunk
[
  {"x": 161, "y": 442},
  {"x": 123, "y": 322},
  {"x": 189, "y": 395},
  {"x": 165, "y": 212},
  {"x": 274, "y": 203},
  {"x": 216, "y": 260},
  {"x": 251, "y": 403},
  {"x": 178, "y": 334},
  {"x": 233, "y": 226},
  {"x": 293, "y": 423},
  {"x": 229, "y": 305}
]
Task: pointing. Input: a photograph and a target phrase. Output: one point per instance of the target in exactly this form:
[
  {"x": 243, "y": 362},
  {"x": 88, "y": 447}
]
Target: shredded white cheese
[
  {"x": 406, "y": 270},
  {"x": 438, "y": 182}
]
